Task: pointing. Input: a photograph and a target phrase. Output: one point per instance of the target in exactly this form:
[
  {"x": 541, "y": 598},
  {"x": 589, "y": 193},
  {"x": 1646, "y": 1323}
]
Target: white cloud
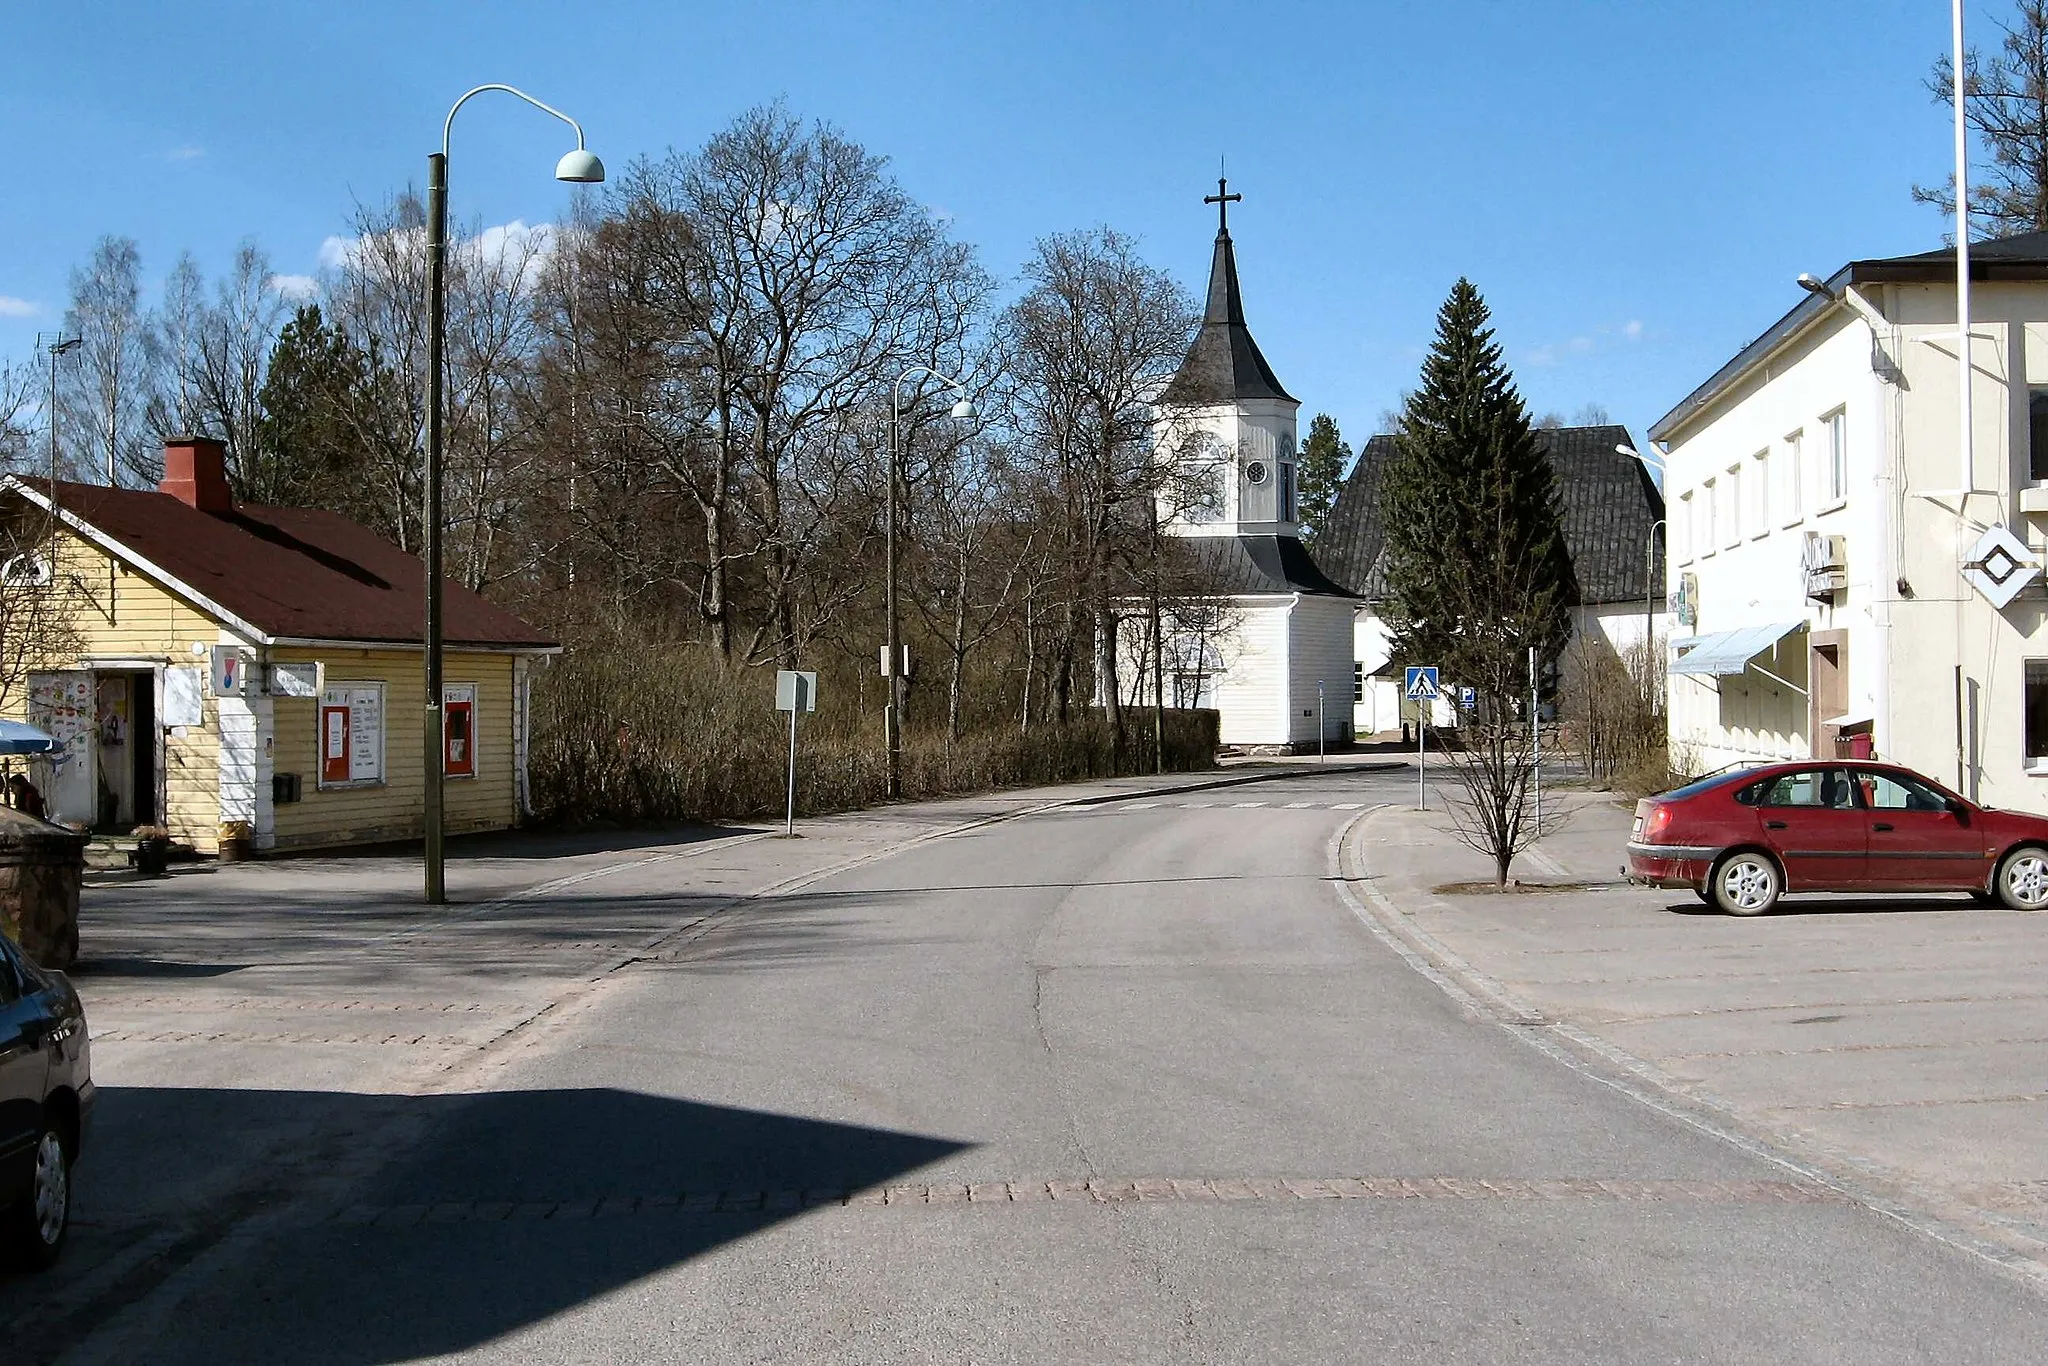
[
  {"x": 514, "y": 245},
  {"x": 1582, "y": 343},
  {"x": 11, "y": 307},
  {"x": 1633, "y": 330},
  {"x": 297, "y": 288},
  {"x": 188, "y": 152}
]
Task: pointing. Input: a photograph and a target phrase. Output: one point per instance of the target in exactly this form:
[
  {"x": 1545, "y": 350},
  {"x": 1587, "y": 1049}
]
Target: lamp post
[
  {"x": 1649, "y": 560},
  {"x": 892, "y": 652},
  {"x": 578, "y": 167},
  {"x": 63, "y": 346}
]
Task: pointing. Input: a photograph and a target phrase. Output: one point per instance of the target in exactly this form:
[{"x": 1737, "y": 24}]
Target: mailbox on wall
[{"x": 458, "y": 730}]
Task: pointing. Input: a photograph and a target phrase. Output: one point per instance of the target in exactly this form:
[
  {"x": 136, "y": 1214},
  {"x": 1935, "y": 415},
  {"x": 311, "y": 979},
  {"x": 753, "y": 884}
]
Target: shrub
[{"x": 672, "y": 733}]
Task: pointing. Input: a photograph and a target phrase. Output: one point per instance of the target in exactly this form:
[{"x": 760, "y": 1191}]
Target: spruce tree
[
  {"x": 1324, "y": 458},
  {"x": 1477, "y": 573},
  {"x": 1476, "y": 564}
]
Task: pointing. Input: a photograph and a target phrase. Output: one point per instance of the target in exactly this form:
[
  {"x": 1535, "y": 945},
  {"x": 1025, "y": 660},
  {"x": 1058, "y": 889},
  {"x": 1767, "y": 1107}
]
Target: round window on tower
[{"x": 1255, "y": 472}]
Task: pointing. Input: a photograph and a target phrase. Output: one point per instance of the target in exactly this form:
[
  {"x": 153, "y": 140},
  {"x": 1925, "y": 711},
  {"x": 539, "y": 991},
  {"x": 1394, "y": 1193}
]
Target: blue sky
[{"x": 1632, "y": 186}]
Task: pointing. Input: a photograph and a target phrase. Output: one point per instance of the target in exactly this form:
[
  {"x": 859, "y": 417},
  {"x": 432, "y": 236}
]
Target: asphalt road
[{"x": 1127, "y": 1085}]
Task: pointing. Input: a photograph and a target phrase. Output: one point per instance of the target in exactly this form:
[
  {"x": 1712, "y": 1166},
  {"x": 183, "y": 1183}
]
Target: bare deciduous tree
[
  {"x": 2005, "y": 103},
  {"x": 1095, "y": 337},
  {"x": 104, "y": 393}
]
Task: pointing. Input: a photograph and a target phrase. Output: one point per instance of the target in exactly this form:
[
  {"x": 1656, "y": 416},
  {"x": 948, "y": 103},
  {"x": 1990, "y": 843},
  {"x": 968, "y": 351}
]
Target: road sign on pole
[
  {"x": 1468, "y": 699},
  {"x": 1422, "y": 684},
  {"x": 794, "y": 692}
]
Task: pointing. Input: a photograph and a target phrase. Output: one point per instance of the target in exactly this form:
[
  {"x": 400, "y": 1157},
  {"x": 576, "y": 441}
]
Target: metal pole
[
  {"x": 892, "y": 718},
  {"x": 1535, "y": 739},
  {"x": 1322, "y": 734},
  {"x": 1966, "y": 465},
  {"x": 1421, "y": 753},
  {"x": 792, "y": 763},
  {"x": 433, "y": 736}
]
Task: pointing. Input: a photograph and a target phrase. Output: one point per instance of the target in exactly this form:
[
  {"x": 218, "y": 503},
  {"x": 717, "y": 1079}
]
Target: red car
[{"x": 1742, "y": 840}]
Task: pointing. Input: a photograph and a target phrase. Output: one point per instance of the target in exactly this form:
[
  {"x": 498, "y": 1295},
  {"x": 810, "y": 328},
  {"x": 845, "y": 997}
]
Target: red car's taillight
[{"x": 1659, "y": 821}]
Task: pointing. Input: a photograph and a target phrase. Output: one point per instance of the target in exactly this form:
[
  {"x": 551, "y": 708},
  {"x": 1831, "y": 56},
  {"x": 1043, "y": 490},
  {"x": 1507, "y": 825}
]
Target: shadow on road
[
  {"x": 496, "y": 1211},
  {"x": 1811, "y": 904}
]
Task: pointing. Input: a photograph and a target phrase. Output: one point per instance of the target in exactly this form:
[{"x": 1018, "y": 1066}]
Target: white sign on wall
[
  {"x": 294, "y": 680},
  {"x": 182, "y": 704}
]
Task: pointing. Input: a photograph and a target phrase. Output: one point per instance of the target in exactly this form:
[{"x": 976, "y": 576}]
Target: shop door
[{"x": 60, "y": 704}]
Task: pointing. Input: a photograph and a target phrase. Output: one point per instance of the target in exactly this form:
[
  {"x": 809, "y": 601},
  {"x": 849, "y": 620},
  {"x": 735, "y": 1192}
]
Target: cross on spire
[{"x": 1222, "y": 199}]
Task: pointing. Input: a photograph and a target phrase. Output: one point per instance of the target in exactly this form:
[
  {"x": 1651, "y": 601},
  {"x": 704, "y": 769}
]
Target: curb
[
  {"x": 1263, "y": 776},
  {"x": 1973, "y": 1232}
]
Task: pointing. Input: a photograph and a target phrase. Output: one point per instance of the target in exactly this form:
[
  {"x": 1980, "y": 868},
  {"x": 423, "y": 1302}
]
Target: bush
[{"x": 672, "y": 733}]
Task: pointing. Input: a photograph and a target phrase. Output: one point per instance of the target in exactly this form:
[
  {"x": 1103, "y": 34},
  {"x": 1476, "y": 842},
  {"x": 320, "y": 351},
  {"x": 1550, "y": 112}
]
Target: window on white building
[
  {"x": 1790, "y": 476},
  {"x": 2036, "y": 723},
  {"x": 1760, "y": 486},
  {"x": 1838, "y": 456},
  {"x": 1358, "y": 680},
  {"x": 1734, "y": 505},
  {"x": 1710, "y": 499},
  {"x": 2037, "y": 435}
]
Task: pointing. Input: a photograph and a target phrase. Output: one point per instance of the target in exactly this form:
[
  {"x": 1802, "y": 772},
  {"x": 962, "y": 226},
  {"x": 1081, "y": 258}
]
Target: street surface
[{"x": 1151, "y": 1080}]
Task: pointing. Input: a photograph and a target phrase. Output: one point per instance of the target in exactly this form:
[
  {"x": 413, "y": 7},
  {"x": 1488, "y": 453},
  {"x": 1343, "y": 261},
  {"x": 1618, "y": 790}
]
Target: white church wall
[
  {"x": 1253, "y": 695},
  {"x": 1621, "y": 624},
  {"x": 1320, "y": 644}
]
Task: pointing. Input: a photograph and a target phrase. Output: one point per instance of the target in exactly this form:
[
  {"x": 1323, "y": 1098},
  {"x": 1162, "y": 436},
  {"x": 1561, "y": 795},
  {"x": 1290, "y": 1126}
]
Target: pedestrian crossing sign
[{"x": 1421, "y": 683}]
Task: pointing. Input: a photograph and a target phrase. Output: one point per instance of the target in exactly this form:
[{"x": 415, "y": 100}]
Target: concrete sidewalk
[{"x": 1896, "y": 1042}]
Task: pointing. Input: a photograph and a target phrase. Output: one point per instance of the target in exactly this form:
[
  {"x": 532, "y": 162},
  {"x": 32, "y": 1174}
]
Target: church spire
[{"x": 1224, "y": 364}]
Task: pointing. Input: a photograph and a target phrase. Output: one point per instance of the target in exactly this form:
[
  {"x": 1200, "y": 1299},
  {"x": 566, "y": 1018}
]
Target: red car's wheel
[
  {"x": 2022, "y": 881},
  {"x": 1746, "y": 883}
]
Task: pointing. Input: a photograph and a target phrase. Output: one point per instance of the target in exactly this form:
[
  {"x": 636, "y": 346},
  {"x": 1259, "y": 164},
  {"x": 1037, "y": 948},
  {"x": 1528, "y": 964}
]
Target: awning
[
  {"x": 16, "y": 738},
  {"x": 1729, "y": 652}
]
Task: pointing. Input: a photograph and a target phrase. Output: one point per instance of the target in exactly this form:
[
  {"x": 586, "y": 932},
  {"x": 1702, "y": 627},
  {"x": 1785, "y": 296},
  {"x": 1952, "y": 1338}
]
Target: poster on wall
[
  {"x": 352, "y": 734},
  {"x": 458, "y": 730}
]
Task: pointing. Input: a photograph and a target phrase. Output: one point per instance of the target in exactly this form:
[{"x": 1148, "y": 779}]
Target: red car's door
[
  {"x": 1916, "y": 841},
  {"x": 1821, "y": 836}
]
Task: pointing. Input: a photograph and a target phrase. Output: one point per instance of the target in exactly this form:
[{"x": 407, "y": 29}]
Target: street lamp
[
  {"x": 892, "y": 716},
  {"x": 1650, "y": 541},
  {"x": 581, "y": 167},
  {"x": 63, "y": 346}
]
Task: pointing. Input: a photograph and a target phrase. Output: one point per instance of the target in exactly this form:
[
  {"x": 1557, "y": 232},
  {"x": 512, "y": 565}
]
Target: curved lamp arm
[{"x": 448, "y": 125}]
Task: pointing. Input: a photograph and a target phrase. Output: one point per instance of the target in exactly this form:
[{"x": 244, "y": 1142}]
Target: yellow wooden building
[{"x": 210, "y": 665}]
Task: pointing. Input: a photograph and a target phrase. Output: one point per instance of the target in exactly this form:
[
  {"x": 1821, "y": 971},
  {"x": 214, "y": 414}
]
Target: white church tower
[
  {"x": 1227, "y": 417},
  {"x": 1280, "y": 667}
]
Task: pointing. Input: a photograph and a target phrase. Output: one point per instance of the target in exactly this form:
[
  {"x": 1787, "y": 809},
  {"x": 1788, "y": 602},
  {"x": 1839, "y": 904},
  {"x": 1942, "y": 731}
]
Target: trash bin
[
  {"x": 237, "y": 841},
  {"x": 40, "y": 868}
]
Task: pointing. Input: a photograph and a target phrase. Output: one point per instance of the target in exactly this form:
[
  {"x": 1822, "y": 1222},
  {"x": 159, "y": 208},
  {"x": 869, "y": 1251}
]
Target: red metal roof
[{"x": 292, "y": 573}]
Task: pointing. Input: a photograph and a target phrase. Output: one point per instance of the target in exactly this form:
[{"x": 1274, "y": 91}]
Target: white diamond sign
[{"x": 2000, "y": 565}]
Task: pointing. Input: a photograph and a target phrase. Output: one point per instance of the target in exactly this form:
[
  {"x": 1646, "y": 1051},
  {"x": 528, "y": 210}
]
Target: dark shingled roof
[
  {"x": 1261, "y": 564},
  {"x": 1224, "y": 364},
  {"x": 291, "y": 573},
  {"x": 1611, "y": 506}
]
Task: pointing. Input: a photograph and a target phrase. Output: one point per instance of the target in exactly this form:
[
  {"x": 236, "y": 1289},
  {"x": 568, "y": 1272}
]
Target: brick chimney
[{"x": 196, "y": 473}]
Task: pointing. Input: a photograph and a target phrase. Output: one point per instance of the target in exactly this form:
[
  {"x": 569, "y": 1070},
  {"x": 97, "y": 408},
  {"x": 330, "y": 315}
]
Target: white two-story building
[{"x": 1846, "y": 576}]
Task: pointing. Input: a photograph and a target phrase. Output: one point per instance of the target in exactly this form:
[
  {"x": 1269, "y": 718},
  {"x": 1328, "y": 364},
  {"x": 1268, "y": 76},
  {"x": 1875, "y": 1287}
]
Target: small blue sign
[
  {"x": 1468, "y": 699},
  {"x": 1422, "y": 683}
]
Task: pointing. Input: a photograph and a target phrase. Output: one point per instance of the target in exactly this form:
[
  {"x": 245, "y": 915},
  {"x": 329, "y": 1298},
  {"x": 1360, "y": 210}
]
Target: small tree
[
  {"x": 1324, "y": 459},
  {"x": 2005, "y": 103},
  {"x": 1477, "y": 572}
]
